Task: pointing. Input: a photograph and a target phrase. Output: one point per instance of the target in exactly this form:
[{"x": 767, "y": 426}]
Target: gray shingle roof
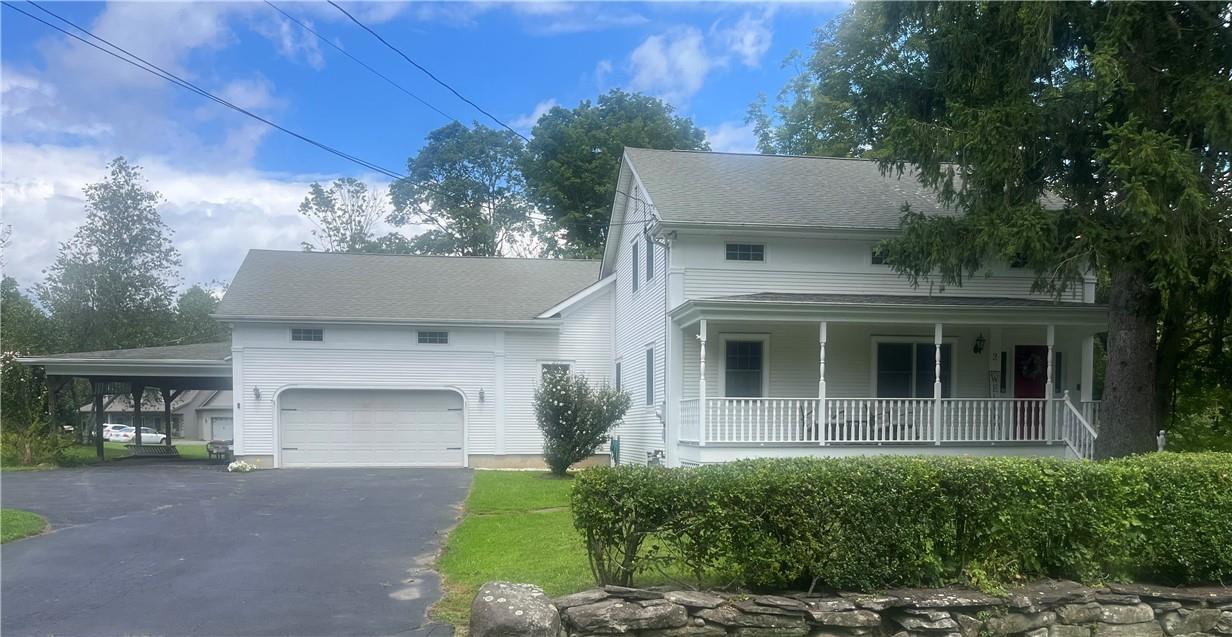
[
  {"x": 729, "y": 188},
  {"x": 316, "y": 285},
  {"x": 897, "y": 299},
  {"x": 197, "y": 352}
]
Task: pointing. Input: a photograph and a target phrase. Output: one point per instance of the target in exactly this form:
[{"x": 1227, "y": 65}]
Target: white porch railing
[
  {"x": 769, "y": 421},
  {"x": 879, "y": 420},
  {"x": 690, "y": 423},
  {"x": 761, "y": 420},
  {"x": 994, "y": 419},
  {"x": 1075, "y": 430},
  {"x": 1090, "y": 412}
]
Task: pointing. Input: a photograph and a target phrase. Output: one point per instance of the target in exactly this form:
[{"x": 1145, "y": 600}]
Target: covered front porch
[{"x": 784, "y": 375}]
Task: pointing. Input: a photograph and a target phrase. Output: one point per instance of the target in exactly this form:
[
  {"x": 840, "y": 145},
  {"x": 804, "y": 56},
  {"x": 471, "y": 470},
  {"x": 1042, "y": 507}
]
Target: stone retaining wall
[{"x": 1044, "y": 609}]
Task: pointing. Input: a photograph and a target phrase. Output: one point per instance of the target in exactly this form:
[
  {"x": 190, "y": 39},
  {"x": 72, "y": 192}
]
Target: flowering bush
[
  {"x": 239, "y": 466},
  {"x": 574, "y": 417}
]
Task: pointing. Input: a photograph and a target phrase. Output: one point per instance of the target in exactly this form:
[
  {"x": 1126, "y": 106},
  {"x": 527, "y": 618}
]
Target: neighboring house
[
  {"x": 739, "y": 301},
  {"x": 195, "y": 414}
]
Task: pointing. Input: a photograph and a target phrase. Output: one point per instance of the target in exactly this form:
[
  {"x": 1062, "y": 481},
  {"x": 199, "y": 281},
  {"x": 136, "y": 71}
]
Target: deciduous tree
[
  {"x": 113, "y": 283},
  {"x": 464, "y": 184},
  {"x": 574, "y": 154},
  {"x": 345, "y": 217}
]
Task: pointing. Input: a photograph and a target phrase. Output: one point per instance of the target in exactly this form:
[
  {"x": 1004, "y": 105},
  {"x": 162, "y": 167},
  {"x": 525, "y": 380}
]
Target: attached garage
[{"x": 371, "y": 428}]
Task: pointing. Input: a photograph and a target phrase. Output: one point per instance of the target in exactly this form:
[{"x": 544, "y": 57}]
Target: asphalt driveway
[{"x": 182, "y": 549}]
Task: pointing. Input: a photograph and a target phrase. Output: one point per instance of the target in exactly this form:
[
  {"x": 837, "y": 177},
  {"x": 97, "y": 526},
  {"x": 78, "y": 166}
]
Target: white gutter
[{"x": 344, "y": 320}]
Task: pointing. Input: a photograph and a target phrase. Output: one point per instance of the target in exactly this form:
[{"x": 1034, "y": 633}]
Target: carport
[{"x": 171, "y": 370}]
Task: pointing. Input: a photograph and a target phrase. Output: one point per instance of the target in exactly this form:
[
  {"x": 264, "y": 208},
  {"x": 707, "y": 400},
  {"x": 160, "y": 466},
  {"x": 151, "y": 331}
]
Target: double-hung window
[
  {"x": 744, "y": 368},
  {"x": 908, "y": 370}
]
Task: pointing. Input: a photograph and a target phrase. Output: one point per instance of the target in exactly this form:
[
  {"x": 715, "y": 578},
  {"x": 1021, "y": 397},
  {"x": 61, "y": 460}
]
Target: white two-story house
[{"x": 740, "y": 301}]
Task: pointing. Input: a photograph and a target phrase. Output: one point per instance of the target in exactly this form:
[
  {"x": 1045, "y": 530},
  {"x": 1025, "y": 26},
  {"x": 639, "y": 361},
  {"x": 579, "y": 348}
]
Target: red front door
[{"x": 1030, "y": 381}]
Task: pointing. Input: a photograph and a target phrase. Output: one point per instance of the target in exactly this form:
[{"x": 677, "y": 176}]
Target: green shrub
[
  {"x": 32, "y": 446},
  {"x": 868, "y": 523},
  {"x": 574, "y": 417}
]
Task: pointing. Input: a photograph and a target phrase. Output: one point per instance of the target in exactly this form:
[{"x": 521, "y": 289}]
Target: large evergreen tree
[
  {"x": 574, "y": 154},
  {"x": 1123, "y": 111},
  {"x": 113, "y": 283}
]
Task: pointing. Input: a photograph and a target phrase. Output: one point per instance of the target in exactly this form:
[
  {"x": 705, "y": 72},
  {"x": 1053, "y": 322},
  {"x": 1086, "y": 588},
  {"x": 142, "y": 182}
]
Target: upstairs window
[
  {"x": 746, "y": 252},
  {"x": 636, "y": 259},
  {"x": 879, "y": 256},
  {"x": 433, "y": 338},
  {"x": 311, "y": 334},
  {"x": 649, "y": 260},
  {"x": 617, "y": 374}
]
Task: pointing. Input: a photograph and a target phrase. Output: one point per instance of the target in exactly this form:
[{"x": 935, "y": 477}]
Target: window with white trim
[
  {"x": 744, "y": 368},
  {"x": 433, "y": 338},
  {"x": 908, "y": 370},
  {"x": 878, "y": 256},
  {"x": 617, "y": 376},
  {"x": 746, "y": 252},
  {"x": 308, "y": 334}
]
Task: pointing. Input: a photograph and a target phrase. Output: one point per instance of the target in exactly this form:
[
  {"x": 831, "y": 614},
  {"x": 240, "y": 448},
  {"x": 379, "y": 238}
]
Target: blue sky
[{"x": 232, "y": 184}]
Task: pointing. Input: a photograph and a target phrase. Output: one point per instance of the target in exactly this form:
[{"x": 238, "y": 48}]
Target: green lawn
[
  {"x": 16, "y": 524},
  {"x": 517, "y": 526},
  {"x": 78, "y": 455}
]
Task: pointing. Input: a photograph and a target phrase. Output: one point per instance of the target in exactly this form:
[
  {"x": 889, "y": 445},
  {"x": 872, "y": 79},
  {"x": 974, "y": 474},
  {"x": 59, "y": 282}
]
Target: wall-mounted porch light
[
  {"x": 480, "y": 394},
  {"x": 979, "y": 344},
  {"x": 256, "y": 393}
]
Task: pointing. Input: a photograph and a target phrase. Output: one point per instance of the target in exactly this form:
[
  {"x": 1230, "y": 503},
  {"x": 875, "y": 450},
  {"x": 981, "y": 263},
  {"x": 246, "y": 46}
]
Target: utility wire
[
  {"x": 361, "y": 62},
  {"x": 426, "y": 71},
  {"x": 154, "y": 69}
]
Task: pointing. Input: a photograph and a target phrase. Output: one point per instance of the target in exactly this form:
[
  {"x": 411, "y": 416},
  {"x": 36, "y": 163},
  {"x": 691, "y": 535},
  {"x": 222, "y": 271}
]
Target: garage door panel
[{"x": 371, "y": 428}]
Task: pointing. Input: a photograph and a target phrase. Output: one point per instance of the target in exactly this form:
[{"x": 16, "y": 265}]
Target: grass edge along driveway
[
  {"x": 16, "y": 524},
  {"x": 516, "y": 526},
  {"x": 85, "y": 454}
]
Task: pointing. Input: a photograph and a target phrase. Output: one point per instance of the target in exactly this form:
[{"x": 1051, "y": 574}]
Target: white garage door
[{"x": 355, "y": 427}]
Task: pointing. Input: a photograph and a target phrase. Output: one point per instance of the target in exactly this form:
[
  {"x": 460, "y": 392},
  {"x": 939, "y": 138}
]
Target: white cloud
[
  {"x": 748, "y": 39},
  {"x": 732, "y": 137},
  {"x": 527, "y": 122},
  {"x": 602, "y": 70},
  {"x": 217, "y": 216},
  {"x": 555, "y": 18},
  {"x": 672, "y": 65}
]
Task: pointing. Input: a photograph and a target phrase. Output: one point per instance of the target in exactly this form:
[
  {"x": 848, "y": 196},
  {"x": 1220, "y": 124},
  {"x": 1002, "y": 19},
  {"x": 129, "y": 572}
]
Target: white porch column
[
  {"x": 701, "y": 385},
  {"x": 1049, "y": 406},
  {"x": 937, "y": 383},
  {"x": 821, "y": 385},
  {"x": 1087, "y": 391}
]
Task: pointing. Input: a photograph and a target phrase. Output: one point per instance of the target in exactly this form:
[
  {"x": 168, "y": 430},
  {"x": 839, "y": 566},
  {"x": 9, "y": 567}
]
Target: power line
[
  {"x": 426, "y": 71},
  {"x": 158, "y": 71},
  {"x": 361, "y": 62}
]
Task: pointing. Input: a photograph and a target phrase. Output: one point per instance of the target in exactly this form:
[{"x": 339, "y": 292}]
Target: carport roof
[
  {"x": 316, "y": 286},
  {"x": 197, "y": 352}
]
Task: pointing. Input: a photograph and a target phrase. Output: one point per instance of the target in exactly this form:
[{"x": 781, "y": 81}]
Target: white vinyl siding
[
  {"x": 639, "y": 325},
  {"x": 819, "y": 266}
]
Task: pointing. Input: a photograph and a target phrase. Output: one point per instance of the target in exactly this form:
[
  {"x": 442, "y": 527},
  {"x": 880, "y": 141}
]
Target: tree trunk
[
  {"x": 1171, "y": 339},
  {"x": 1130, "y": 412}
]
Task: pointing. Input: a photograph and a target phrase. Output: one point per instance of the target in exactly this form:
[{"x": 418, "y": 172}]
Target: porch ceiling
[{"x": 887, "y": 308}]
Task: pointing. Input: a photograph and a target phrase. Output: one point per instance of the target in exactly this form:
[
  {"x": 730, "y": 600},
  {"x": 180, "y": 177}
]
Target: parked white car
[
  {"x": 148, "y": 436},
  {"x": 111, "y": 427}
]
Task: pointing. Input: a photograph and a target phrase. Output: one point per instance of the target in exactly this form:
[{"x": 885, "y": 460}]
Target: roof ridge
[
  {"x": 740, "y": 154},
  {"x": 425, "y": 256}
]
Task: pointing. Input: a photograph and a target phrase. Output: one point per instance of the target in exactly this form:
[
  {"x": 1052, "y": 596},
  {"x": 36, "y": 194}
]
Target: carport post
[
  {"x": 53, "y": 385},
  {"x": 168, "y": 396},
  {"x": 138, "y": 391},
  {"x": 98, "y": 418}
]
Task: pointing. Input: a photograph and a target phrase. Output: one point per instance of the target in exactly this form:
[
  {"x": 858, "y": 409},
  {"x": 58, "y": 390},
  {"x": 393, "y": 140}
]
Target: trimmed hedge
[{"x": 869, "y": 523}]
